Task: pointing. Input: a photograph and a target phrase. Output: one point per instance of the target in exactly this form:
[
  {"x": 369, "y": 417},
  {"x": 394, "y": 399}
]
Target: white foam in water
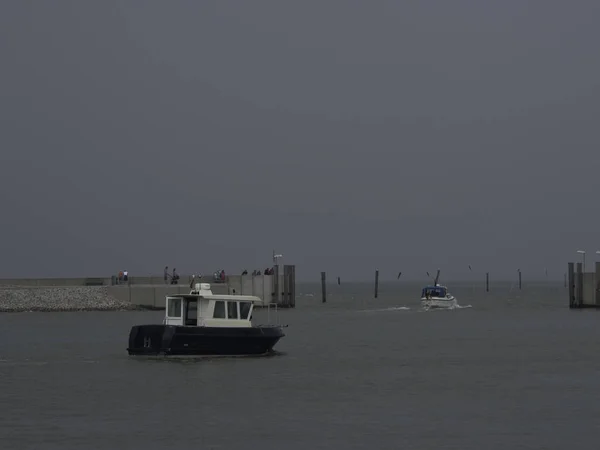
[
  {"x": 392, "y": 308},
  {"x": 449, "y": 308}
]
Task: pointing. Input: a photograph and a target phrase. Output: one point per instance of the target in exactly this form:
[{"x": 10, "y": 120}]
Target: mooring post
[
  {"x": 276, "y": 286},
  {"x": 597, "y": 284},
  {"x": 579, "y": 288},
  {"x": 487, "y": 282},
  {"x": 292, "y": 279},
  {"x": 571, "y": 272},
  {"x": 323, "y": 288},
  {"x": 519, "y": 280},
  {"x": 338, "y": 281},
  {"x": 376, "y": 283}
]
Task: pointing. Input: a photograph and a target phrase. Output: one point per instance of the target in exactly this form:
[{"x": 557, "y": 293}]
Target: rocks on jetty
[{"x": 19, "y": 299}]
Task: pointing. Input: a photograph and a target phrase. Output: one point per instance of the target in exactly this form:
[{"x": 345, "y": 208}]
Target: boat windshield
[{"x": 433, "y": 292}]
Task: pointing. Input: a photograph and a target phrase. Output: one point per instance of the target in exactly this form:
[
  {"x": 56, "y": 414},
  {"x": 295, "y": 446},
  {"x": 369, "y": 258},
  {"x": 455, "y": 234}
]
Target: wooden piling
[
  {"x": 276, "y": 287},
  {"x": 597, "y": 284},
  {"x": 519, "y": 280},
  {"x": 339, "y": 281},
  {"x": 571, "y": 275},
  {"x": 579, "y": 288},
  {"x": 323, "y": 287},
  {"x": 287, "y": 295},
  {"x": 376, "y": 283},
  {"x": 292, "y": 275},
  {"x": 487, "y": 282}
]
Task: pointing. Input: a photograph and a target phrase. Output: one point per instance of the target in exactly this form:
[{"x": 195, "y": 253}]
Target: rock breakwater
[{"x": 20, "y": 299}]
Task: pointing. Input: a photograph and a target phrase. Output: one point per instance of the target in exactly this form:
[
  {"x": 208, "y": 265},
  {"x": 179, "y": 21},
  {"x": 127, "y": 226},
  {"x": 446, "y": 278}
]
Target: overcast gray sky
[{"x": 347, "y": 135}]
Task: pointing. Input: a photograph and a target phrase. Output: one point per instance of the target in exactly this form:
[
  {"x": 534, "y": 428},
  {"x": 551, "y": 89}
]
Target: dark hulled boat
[{"x": 205, "y": 324}]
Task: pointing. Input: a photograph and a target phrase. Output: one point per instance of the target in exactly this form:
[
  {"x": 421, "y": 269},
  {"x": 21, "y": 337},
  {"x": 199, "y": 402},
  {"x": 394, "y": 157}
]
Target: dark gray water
[{"x": 516, "y": 370}]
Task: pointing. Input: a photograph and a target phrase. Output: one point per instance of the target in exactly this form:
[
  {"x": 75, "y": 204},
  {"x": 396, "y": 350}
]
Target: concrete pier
[
  {"x": 584, "y": 288},
  {"x": 279, "y": 288},
  {"x": 150, "y": 291}
]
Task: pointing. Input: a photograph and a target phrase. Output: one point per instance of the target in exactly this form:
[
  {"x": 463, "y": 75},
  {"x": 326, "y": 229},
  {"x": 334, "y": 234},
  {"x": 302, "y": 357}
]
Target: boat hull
[
  {"x": 174, "y": 340},
  {"x": 433, "y": 303}
]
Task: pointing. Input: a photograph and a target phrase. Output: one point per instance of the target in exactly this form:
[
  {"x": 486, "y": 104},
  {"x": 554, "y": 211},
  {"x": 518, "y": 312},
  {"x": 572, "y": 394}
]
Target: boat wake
[
  {"x": 445, "y": 308},
  {"x": 392, "y": 308}
]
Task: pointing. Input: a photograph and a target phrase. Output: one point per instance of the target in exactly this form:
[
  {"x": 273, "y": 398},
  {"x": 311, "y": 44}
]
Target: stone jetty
[{"x": 20, "y": 299}]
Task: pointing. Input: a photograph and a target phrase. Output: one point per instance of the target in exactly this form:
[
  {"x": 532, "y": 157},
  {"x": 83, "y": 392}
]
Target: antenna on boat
[{"x": 437, "y": 278}]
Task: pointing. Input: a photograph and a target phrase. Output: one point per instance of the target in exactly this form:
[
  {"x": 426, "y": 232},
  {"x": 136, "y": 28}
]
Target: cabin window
[
  {"x": 191, "y": 313},
  {"x": 219, "y": 310},
  {"x": 434, "y": 292},
  {"x": 244, "y": 309},
  {"x": 174, "y": 307},
  {"x": 232, "y": 312}
]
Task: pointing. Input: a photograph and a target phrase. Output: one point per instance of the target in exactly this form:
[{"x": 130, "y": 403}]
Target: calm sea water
[{"x": 516, "y": 369}]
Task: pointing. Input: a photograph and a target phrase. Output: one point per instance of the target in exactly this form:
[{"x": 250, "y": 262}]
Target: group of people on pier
[{"x": 171, "y": 278}]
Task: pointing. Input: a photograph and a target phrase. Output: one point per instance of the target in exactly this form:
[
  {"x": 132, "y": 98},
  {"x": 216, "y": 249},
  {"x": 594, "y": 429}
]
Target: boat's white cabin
[{"x": 202, "y": 308}]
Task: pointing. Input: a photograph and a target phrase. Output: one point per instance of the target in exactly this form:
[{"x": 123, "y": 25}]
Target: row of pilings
[{"x": 376, "y": 291}]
